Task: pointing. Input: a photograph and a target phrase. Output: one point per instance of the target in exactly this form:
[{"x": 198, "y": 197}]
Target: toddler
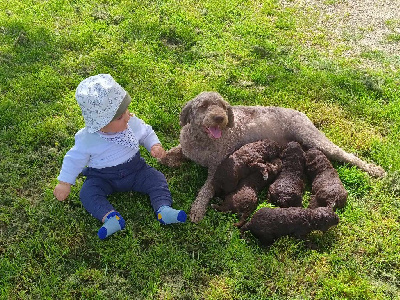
[{"x": 106, "y": 151}]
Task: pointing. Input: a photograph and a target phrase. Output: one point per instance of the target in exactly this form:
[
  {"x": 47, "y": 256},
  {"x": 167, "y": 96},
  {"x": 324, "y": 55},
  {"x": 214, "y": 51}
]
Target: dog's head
[{"x": 209, "y": 111}]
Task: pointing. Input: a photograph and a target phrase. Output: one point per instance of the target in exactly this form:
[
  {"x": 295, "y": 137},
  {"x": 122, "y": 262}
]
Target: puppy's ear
[
  {"x": 231, "y": 119},
  {"x": 184, "y": 117}
]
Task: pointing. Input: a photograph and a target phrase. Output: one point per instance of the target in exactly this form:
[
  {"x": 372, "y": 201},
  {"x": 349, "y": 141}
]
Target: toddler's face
[{"x": 119, "y": 124}]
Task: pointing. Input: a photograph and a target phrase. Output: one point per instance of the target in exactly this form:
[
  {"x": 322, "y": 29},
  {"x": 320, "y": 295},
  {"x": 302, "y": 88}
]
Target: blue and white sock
[
  {"x": 167, "y": 215},
  {"x": 113, "y": 223}
]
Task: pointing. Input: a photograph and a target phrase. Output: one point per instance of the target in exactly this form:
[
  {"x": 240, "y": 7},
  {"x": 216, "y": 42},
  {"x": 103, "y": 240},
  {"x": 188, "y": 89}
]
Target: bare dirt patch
[{"x": 351, "y": 27}]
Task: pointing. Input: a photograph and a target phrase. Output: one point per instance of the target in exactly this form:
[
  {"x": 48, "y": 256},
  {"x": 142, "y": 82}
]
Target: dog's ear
[
  {"x": 184, "y": 117},
  {"x": 231, "y": 119}
]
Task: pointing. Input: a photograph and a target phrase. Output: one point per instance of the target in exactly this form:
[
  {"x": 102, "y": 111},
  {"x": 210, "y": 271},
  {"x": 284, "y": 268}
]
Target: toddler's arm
[{"x": 62, "y": 190}]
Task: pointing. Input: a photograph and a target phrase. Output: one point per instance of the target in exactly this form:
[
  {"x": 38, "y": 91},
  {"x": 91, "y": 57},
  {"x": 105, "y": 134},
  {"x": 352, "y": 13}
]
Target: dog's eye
[{"x": 204, "y": 105}]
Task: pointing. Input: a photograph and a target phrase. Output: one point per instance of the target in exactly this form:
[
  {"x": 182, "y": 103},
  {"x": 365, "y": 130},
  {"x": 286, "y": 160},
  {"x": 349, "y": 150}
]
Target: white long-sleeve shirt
[{"x": 93, "y": 151}]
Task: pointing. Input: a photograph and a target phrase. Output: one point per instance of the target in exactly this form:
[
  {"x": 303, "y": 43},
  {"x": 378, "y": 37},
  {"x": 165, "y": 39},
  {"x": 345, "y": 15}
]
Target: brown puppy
[
  {"x": 243, "y": 201},
  {"x": 287, "y": 190},
  {"x": 257, "y": 156},
  {"x": 327, "y": 188},
  {"x": 269, "y": 224}
]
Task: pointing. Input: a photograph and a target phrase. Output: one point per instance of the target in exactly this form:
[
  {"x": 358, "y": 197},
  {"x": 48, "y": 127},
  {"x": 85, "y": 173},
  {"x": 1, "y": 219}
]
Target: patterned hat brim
[{"x": 123, "y": 106}]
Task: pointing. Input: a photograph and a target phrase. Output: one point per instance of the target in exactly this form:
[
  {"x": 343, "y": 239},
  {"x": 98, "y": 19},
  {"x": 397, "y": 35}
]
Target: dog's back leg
[{"x": 305, "y": 132}]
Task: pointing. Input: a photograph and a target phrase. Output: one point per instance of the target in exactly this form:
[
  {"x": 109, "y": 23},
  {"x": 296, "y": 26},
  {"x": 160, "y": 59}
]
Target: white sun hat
[{"x": 101, "y": 99}]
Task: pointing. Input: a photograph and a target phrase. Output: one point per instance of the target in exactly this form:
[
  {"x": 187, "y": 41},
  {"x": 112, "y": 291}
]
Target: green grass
[{"x": 164, "y": 53}]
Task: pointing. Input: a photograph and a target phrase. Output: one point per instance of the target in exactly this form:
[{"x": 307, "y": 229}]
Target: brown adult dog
[{"x": 212, "y": 129}]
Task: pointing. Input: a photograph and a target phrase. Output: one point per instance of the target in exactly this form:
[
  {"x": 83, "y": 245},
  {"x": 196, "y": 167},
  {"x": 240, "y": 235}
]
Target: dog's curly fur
[
  {"x": 287, "y": 190},
  {"x": 269, "y": 224},
  {"x": 243, "y": 174},
  {"x": 327, "y": 188},
  {"x": 212, "y": 129},
  {"x": 257, "y": 156},
  {"x": 243, "y": 201}
]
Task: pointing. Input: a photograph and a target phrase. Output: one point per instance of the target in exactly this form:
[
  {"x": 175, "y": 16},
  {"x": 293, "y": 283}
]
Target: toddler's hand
[
  {"x": 62, "y": 190},
  {"x": 157, "y": 151}
]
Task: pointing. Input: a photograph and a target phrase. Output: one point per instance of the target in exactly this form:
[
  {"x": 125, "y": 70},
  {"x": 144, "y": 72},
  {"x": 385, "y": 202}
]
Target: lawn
[{"x": 164, "y": 53}]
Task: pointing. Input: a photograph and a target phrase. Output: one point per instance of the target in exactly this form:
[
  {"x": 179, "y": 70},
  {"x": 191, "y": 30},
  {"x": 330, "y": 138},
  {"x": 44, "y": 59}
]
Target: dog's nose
[{"x": 218, "y": 119}]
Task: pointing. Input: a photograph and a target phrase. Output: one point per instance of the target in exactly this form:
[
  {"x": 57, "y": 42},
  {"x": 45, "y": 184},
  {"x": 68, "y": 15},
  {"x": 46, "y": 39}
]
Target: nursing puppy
[
  {"x": 327, "y": 188},
  {"x": 288, "y": 188},
  {"x": 244, "y": 200}
]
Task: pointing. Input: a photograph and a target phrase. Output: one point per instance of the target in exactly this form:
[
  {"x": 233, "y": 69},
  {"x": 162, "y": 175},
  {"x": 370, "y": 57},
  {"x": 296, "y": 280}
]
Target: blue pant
[{"x": 134, "y": 175}]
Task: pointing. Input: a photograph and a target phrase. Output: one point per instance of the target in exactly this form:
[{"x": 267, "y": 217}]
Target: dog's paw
[
  {"x": 197, "y": 213},
  {"x": 173, "y": 157},
  {"x": 170, "y": 161},
  {"x": 376, "y": 171}
]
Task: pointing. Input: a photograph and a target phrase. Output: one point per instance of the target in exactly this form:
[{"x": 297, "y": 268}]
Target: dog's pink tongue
[{"x": 215, "y": 132}]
